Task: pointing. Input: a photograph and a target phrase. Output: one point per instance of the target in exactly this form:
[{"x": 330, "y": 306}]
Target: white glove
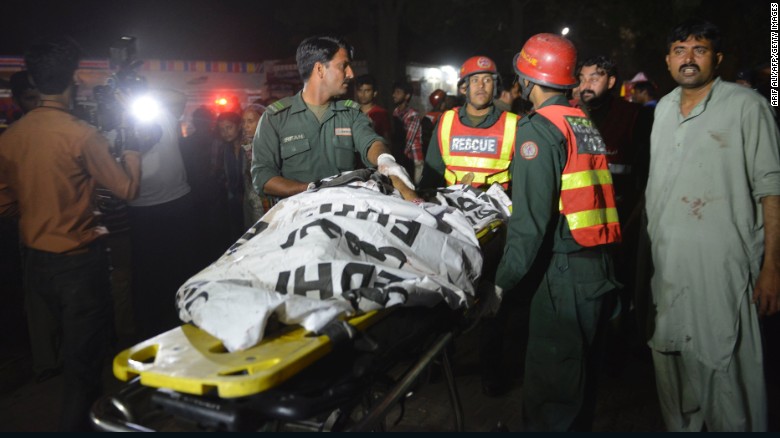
[
  {"x": 418, "y": 170},
  {"x": 387, "y": 166},
  {"x": 491, "y": 300}
]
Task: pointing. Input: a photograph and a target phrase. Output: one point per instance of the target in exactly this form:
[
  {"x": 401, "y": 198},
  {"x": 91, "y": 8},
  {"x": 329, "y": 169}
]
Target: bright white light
[
  {"x": 145, "y": 109},
  {"x": 433, "y": 74},
  {"x": 450, "y": 74},
  {"x": 565, "y": 31}
]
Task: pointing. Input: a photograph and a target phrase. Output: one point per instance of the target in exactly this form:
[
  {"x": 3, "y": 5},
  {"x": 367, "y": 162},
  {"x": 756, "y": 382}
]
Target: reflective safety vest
[
  {"x": 587, "y": 195},
  {"x": 485, "y": 152},
  {"x": 434, "y": 117}
]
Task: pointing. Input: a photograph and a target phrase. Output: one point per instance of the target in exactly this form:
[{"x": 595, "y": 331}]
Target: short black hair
[
  {"x": 320, "y": 48},
  {"x": 366, "y": 80},
  {"x": 20, "y": 82},
  {"x": 203, "y": 113},
  {"x": 229, "y": 116},
  {"x": 404, "y": 86},
  {"x": 697, "y": 28},
  {"x": 52, "y": 61},
  {"x": 601, "y": 62},
  {"x": 645, "y": 86}
]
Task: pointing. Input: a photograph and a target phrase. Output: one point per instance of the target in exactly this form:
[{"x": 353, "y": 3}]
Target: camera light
[{"x": 145, "y": 109}]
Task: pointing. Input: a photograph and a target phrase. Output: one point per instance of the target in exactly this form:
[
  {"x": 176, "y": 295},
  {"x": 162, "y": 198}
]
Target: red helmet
[
  {"x": 437, "y": 97},
  {"x": 548, "y": 59},
  {"x": 477, "y": 64}
]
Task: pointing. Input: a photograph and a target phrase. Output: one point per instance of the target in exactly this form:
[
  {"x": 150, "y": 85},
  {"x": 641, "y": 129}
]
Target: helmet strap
[{"x": 525, "y": 90}]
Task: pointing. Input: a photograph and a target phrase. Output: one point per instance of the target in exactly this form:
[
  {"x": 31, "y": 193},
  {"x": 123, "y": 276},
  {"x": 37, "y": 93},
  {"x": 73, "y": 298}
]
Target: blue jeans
[{"x": 76, "y": 287}]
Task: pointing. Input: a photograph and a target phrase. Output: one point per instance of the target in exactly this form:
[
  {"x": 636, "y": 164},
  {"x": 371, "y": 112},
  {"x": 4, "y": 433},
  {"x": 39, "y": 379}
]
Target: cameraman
[
  {"x": 161, "y": 225},
  {"x": 50, "y": 163}
]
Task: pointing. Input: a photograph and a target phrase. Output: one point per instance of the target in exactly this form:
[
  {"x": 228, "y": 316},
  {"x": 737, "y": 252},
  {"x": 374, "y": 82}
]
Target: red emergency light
[{"x": 221, "y": 101}]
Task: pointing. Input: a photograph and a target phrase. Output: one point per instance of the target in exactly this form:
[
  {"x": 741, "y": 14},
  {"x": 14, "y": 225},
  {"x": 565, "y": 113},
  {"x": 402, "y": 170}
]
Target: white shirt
[{"x": 163, "y": 178}]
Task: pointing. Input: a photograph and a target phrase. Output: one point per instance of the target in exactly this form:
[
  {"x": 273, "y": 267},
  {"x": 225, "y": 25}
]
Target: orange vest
[
  {"x": 587, "y": 196},
  {"x": 486, "y": 152},
  {"x": 434, "y": 117}
]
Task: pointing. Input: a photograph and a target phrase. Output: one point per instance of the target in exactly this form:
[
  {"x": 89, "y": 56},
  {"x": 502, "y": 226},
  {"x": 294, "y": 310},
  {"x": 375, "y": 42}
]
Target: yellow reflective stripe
[
  {"x": 510, "y": 127},
  {"x": 499, "y": 177},
  {"x": 585, "y": 178},
  {"x": 450, "y": 177},
  {"x": 445, "y": 132},
  {"x": 589, "y": 218},
  {"x": 479, "y": 177},
  {"x": 478, "y": 162}
]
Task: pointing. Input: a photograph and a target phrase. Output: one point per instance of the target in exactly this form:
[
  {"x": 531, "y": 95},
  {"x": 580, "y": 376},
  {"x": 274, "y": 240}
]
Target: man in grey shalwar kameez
[{"x": 713, "y": 209}]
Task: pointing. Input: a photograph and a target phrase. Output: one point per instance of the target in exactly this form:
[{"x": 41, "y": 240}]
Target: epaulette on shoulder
[
  {"x": 279, "y": 105},
  {"x": 527, "y": 118},
  {"x": 348, "y": 103}
]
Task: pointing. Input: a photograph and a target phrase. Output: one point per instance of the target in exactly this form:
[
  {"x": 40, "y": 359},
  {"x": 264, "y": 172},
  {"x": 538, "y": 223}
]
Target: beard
[{"x": 592, "y": 100}]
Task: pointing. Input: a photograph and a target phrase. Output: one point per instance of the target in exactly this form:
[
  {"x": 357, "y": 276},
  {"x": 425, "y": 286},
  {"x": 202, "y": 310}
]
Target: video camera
[{"x": 123, "y": 103}]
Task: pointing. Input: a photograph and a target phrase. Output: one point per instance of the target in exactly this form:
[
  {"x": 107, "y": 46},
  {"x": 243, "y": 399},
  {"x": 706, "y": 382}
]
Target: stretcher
[
  {"x": 346, "y": 377},
  {"x": 363, "y": 381}
]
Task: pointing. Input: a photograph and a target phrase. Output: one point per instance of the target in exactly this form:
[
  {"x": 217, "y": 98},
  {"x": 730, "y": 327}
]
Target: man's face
[
  {"x": 228, "y": 131},
  {"x": 639, "y": 96},
  {"x": 594, "y": 83},
  {"x": 480, "y": 90},
  {"x": 365, "y": 94},
  {"x": 693, "y": 62},
  {"x": 515, "y": 90},
  {"x": 399, "y": 97},
  {"x": 249, "y": 122},
  {"x": 337, "y": 73}
]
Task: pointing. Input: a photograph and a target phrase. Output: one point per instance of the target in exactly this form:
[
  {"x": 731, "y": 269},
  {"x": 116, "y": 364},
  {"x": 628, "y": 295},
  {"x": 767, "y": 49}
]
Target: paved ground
[{"x": 627, "y": 401}]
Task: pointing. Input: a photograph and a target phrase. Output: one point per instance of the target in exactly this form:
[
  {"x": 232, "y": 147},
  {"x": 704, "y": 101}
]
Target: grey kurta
[{"x": 708, "y": 172}]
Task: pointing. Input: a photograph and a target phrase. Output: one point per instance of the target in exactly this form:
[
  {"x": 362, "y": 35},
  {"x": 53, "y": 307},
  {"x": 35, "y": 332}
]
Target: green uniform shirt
[
  {"x": 433, "y": 172},
  {"x": 291, "y": 142},
  {"x": 536, "y": 223}
]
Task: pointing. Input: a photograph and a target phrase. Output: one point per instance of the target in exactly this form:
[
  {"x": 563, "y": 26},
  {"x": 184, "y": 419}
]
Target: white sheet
[{"x": 332, "y": 252}]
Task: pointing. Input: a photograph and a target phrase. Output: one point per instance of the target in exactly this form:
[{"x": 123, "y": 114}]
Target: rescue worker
[
  {"x": 312, "y": 135},
  {"x": 476, "y": 138},
  {"x": 438, "y": 100},
  {"x": 563, "y": 221}
]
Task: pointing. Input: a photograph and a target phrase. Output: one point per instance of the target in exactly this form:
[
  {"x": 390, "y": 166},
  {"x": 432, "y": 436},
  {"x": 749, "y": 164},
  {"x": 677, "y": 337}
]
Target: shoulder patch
[
  {"x": 349, "y": 103},
  {"x": 279, "y": 105},
  {"x": 529, "y": 150}
]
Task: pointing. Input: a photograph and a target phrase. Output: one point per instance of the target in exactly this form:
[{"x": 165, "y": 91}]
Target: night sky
[
  {"x": 430, "y": 31},
  {"x": 165, "y": 29}
]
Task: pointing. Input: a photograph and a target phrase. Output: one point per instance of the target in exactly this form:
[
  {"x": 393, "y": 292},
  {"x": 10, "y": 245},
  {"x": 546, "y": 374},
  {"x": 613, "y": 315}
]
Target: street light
[{"x": 565, "y": 31}]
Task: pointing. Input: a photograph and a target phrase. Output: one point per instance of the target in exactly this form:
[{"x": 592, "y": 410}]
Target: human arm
[
  {"x": 434, "y": 169},
  {"x": 767, "y": 290},
  {"x": 414, "y": 143},
  {"x": 267, "y": 163},
  {"x": 379, "y": 155},
  {"x": 124, "y": 179},
  {"x": 763, "y": 157},
  {"x": 284, "y": 187},
  {"x": 8, "y": 203},
  {"x": 535, "y": 196}
]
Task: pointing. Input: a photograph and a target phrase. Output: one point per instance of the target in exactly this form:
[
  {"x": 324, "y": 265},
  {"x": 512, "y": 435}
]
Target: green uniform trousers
[{"x": 569, "y": 310}]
